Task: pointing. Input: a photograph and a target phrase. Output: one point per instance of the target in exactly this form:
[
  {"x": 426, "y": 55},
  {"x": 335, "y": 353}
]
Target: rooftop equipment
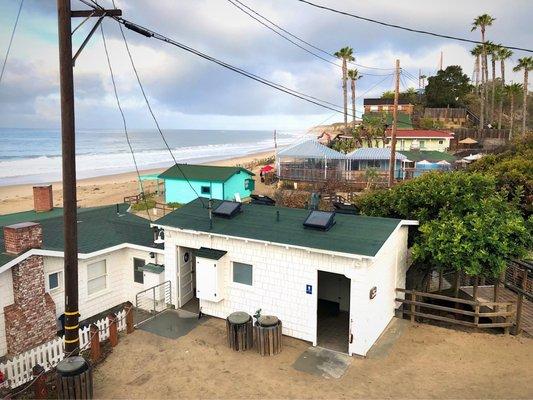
[
  {"x": 227, "y": 209},
  {"x": 262, "y": 200},
  {"x": 321, "y": 220}
]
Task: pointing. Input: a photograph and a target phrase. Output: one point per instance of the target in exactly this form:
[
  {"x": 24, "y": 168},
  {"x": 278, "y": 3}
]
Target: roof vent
[
  {"x": 321, "y": 220},
  {"x": 227, "y": 209}
]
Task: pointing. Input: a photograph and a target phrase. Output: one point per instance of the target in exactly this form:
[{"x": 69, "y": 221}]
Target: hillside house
[
  {"x": 387, "y": 105},
  {"x": 114, "y": 247},
  {"x": 185, "y": 182},
  {"x": 418, "y": 139},
  {"x": 329, "y": 278}
]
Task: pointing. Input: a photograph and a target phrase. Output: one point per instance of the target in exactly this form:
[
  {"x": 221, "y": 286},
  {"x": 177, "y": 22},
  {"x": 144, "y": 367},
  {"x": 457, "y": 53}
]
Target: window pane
[
  {"x": 96, "y": 269},
  {"x": 242, "y": 273},
  {"x": 206, "y": 190},
  {"x": 96, "y": 285},
  {"x": 53, "y": 280}
]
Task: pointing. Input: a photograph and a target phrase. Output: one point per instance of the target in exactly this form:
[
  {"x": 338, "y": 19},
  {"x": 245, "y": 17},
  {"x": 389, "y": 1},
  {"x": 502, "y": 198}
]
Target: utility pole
[
  {"x": 275, "y": 143},
  {"x": 68, "y": 145},
  {"x": 440, "y": 62},
  {"x": 394, "y": 126}
]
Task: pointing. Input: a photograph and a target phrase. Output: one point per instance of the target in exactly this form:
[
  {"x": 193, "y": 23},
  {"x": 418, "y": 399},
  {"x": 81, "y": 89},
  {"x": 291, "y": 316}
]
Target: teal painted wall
[
  {"x": 179, "y": 191},
  {"x": 235, "y": 184}
]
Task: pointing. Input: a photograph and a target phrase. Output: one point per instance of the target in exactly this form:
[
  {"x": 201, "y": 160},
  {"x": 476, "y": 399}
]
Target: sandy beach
[{"x": 102, "y": 190}]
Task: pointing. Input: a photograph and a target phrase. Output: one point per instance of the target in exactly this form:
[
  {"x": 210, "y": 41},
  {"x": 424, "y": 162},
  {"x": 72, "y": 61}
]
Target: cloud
[{"x": 189, "y": 92}]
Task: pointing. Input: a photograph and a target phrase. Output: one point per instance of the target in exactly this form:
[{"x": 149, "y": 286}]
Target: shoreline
[{"x": 100, "y": 190}]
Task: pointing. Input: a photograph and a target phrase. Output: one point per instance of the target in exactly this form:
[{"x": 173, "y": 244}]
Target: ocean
[{"x": 34, "y": 155}]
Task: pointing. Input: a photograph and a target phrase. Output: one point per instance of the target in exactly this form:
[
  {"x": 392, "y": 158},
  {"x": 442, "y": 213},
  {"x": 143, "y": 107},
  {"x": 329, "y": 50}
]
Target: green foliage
[
  {"x": 448, "y": 88},
  {"x": 430, "y": 123},
  {"x": 174, "y": 205},
  {"x": 143, "y": 205},
  {"x": 344, "y": 145},
  {"x": 478, "y": 242},
  {"x": 465, "y": 222}
]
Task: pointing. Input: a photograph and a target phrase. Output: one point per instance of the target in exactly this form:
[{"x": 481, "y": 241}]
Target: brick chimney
[
  {"x": 31, "y": 319},
  {"x": 43, "y": 199},
  {"x": 23, "y": 236}
]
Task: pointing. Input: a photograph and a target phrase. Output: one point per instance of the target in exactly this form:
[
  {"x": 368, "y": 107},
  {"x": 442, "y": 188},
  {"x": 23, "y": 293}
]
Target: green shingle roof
[
  {"x": 431, "y": 156},
  {"x": 98, "y": 228},
  {"x": 352, "y": 234},
  {"x": 209, "y": 173}
]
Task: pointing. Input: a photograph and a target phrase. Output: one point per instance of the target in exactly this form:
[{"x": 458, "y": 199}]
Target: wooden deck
[{"x": 486, "y": 293}]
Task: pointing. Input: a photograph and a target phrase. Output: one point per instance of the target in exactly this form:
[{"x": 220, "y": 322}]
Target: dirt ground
[{"x": 425, "y": 362}]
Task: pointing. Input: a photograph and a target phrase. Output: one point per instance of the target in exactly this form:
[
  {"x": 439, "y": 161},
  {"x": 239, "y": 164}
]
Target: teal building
[{"x": 185, "y": 182}]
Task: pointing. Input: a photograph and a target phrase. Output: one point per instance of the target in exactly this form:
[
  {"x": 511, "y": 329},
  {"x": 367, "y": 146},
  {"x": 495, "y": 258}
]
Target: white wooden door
[{"x": 186, "y": 280}]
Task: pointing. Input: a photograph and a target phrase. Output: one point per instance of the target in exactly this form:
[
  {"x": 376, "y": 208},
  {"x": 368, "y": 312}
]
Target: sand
[
  {"x": 425, "y": 362},
  {"x": 98, "y": 191}
]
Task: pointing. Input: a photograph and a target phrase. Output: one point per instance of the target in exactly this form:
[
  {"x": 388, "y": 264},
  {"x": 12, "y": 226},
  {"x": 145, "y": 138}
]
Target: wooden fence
[
  {"x": 18, "y": 370},
  {"x": 481, "y": 309}
]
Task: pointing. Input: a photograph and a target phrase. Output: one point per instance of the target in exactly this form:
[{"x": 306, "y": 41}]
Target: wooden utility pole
[
  {"x": 68, "y": 145},
  {"x": 394, "y": 126}
]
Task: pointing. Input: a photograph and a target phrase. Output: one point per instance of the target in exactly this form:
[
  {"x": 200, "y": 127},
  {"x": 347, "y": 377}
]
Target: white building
[
  {"x": 331, "y": 284},
  {"x": 117, "y": 259}
]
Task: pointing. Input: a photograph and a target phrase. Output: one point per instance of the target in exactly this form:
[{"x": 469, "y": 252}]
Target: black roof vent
[
  {"x": 262, "y": 200},
  {"x": 227, "y": 209},
  {"x": 322, "y": 220}
]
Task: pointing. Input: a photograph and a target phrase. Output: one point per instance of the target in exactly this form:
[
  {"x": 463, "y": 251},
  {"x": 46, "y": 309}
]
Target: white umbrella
[
  {"x": 443, "y": 162},
  {"x": 473, "y": 157}
]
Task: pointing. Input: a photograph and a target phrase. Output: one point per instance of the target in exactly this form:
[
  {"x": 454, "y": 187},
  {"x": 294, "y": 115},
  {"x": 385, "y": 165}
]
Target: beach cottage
[
  {"x": 361, "y": 160},
  {"x": 114, "y": 250},
  {"x": 185, "y": 182},
  {"x": 330, "y": 278}
]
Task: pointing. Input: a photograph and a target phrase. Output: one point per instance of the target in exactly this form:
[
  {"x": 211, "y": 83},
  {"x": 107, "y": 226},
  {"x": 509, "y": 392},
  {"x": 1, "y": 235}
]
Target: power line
[
  {"x": 151, "y": 111},
  {"x": 296, "y": 37},
  {"x": 124, "y": 122},
  {"x": 11, "y": 40},
  {"x": 375, "y": 21}
]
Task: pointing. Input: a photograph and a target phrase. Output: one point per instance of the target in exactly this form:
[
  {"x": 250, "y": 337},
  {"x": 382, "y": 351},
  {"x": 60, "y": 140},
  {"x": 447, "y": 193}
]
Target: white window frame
[
  {"x": 374, "y": 108},
  {"x": 104, "y": 275},
  {"x": 59, "y": 281},
  {"x": 239, "y": 284}
]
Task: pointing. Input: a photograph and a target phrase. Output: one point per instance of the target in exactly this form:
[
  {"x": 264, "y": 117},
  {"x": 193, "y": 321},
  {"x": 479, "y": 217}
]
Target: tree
[
  {"x": 503, "y": 54},
  {"x": 465, "y": 223},
  {"x": 388, "y": 94},
  {"x": 353, "y": 74},
  {"x": 448, "y": 88},
  {"x": 345, "y": 54},
  {"x": 512, "y": 90},
  {"x": 482, "y": 22},
  {"x": 526, "y": 64},
  {"x": 373, "y": 128},
  {"x": 492, "y": 49}
]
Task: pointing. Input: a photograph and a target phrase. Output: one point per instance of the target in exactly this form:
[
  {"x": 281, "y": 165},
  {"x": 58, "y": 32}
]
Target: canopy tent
[
  {"x": 309, "y": 161},
  {"x": 468, "y": 141}
]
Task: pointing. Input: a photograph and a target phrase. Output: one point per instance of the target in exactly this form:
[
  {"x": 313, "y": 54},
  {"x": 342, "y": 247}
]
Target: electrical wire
[
  {"x": 375, "y": 21},
  {"x": 11, "y": 40},
  {"x": 296, "y": 37},
  {"x": 143, "y": 194},
  {"x": 151, "y": 110}
]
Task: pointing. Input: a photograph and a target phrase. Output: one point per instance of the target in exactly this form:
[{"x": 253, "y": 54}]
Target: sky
[{"x": 187, "y": 92}]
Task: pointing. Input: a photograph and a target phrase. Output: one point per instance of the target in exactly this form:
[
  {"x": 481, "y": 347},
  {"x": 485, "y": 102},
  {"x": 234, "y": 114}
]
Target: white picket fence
[{"x": 18, "y": 370}]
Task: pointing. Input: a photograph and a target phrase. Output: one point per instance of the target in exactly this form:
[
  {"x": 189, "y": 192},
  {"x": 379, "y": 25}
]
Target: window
[
  {"x": 96, "y": 277},
  {"x": 373, "y": 164},
  {"x": 373, "y": 108},
  {"x": 242, "y": 273},
  {"x": 441, "y": 141},
  {"x": 138, "y": 274},
  {"x": 205, "y": 189},
  {"x": 54, "y": 280},
  {"x": 422, "y": 144}
]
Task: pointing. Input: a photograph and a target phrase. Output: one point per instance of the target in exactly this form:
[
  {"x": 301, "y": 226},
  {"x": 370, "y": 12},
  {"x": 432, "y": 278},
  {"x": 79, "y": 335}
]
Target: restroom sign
[{"x": 309, "y": 289}]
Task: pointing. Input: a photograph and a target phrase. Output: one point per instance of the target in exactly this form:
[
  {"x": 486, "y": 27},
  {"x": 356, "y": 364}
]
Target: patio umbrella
[
  {"x": 468, "y": 141},
  {"x": 443, "y": 162},
  {"x": 473, "y": 157},
  {"x": 267, "y": 168}
]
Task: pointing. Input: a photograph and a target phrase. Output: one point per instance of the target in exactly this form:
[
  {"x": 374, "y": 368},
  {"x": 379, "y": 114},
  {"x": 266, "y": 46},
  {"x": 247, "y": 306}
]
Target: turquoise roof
[
  {"x": 98, "y": 228},
  {"x": 352, "y": 234}
]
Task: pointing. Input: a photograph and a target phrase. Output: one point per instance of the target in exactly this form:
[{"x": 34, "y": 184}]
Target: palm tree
[
  {"x": 476, "y": 52},
  {"x": 503, "y": 54},
  {"x": 353, "y": 74},
  {"x": 512, "y": 90},
  {"x": 423, "y": 80},
  {"x": 526, "y": 64},
  {"x": 492, "y": 49},
  {"x": 345, "y": 54},
  {"x": 482, "y": 22}
]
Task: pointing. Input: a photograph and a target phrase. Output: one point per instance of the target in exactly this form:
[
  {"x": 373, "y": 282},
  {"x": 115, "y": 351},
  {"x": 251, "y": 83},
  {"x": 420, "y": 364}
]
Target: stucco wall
[
  {"x": 280, "y": 276},
  {"x": 179, "y": 191},
  {"x": 235, "y": 184}
]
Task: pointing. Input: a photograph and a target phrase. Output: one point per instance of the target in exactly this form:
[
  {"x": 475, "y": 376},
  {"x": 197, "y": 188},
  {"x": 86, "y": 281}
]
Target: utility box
[{"x": 210, "y": 274}]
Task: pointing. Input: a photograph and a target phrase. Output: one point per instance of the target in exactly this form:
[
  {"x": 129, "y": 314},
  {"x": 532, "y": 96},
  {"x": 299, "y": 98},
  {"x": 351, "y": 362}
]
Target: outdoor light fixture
[{"x": 159, "y": 237}]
